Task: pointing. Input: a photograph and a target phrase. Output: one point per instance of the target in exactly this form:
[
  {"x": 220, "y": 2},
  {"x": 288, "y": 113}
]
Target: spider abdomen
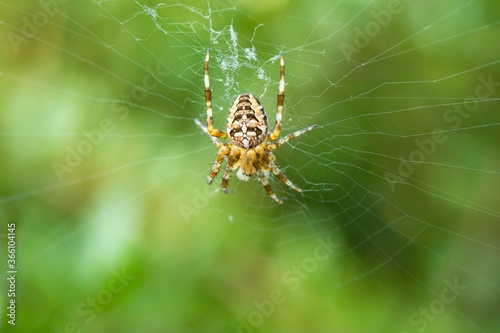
[{"x": 247, "y": 122}]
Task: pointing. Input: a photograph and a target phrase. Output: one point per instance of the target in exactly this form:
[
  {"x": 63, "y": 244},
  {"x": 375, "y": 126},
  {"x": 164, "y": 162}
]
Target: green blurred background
[{"x": 104, "y": 170}]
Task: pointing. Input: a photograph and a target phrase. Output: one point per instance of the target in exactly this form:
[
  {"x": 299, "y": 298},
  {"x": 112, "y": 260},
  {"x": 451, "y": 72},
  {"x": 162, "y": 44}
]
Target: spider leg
[
  {"x": 281, "y": 99},
  {"x": 208, "y": 99},
  {"x": 200, "y": 125},
  {"x": 223, "y": 151},
  {"x": 204, "y": 129},
  {"x": 277, "y": 172},
  {"x": 290, "y": 136},
  {"x": 233, "y": 158},
  {"x": 225, "y": 178},
  {"x": 263, "y": 180}
]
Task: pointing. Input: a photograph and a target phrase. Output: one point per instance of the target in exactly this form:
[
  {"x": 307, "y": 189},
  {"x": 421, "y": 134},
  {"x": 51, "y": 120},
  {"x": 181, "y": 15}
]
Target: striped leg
[
  {"x": 204, "y": 129},
  {"x": 283, "y": 178},
  {"x": 290, "y": 137},
  {"x": 263, "y": 180},
  {"x": 225, "y": 178},
  {"x": 281, "y": 99},
  {"x": 208, "y": 99},
  {"x": 223, "y": 151},
  {"x": 233, "y": 158}
]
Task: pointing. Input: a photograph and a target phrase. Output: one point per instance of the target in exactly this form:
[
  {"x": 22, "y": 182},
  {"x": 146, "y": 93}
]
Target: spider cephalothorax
[{"x": 251, "y": 146}]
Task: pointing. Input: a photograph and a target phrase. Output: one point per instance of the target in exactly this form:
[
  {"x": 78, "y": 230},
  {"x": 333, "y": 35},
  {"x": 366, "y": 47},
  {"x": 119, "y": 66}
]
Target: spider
[{"x": 251, "y": 146}]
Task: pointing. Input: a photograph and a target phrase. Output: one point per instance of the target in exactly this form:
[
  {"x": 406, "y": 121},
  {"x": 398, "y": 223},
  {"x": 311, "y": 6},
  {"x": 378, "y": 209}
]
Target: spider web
[{"x": 401, "y": 177}]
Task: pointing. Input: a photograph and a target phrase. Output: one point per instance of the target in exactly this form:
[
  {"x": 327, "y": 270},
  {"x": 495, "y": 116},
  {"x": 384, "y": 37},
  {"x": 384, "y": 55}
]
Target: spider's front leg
[
  {"x": 263, "y": 179},
  {"x": 224, "y": 150},
  {"x": 283, "y": 178}
]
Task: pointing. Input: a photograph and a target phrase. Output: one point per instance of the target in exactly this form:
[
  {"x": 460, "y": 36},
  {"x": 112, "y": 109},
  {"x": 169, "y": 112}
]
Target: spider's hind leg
[{"x": 212, "y": 131}]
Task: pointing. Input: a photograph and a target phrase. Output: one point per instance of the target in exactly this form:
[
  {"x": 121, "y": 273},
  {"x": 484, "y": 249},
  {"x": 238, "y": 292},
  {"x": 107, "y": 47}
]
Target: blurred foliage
[{"x": 104, "y": 171}]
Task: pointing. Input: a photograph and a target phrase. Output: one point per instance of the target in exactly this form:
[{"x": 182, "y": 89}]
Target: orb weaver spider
[{"x": 251, "y": 145}]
